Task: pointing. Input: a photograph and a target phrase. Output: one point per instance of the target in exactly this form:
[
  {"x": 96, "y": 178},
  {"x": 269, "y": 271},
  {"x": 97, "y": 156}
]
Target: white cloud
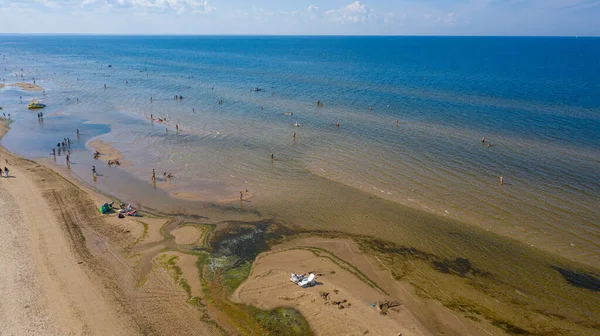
[{"x": 354, "y": 12}]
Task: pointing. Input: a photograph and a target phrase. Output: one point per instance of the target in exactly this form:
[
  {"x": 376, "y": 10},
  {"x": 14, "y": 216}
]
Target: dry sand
[
  {"x": 269, "y": 286},
  {"x": 27, "y": 86},
  {"x": 108, "y": 152},
  {"x": 64, "y": 267}
]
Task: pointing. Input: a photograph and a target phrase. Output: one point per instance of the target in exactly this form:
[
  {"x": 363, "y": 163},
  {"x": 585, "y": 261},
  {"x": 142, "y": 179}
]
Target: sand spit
[
  {"x": 108, "y": 152},
  {"x": 342, "y": 302},
  {"x": 27, "y": 86}
]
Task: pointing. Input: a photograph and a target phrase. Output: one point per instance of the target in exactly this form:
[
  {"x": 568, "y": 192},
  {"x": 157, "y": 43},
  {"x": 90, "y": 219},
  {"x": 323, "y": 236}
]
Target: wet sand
[{"x": 27, "y": 86}]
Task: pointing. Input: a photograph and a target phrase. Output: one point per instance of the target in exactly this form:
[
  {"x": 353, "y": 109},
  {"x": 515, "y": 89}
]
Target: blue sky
[{"x": 362, "y": 17}]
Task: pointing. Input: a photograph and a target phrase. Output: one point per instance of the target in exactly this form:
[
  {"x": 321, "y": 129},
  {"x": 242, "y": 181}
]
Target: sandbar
[
  {"x": 108, "y": 152},
  {"x": 27, "y": 86}
]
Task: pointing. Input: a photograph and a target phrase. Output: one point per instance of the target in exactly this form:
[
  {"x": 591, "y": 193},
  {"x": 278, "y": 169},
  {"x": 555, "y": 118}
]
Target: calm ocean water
[{"x": 536, "y": 100}]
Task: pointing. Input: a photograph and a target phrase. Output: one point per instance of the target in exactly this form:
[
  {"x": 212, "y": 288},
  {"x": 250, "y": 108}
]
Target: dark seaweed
[{"x": 579, "y": 279}]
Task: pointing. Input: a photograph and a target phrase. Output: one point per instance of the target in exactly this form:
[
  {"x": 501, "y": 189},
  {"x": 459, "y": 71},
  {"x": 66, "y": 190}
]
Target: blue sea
[{"x": 412, "y": 112}]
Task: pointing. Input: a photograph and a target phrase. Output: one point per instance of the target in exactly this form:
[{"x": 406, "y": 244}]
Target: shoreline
[{"x": 380, "y": 250}]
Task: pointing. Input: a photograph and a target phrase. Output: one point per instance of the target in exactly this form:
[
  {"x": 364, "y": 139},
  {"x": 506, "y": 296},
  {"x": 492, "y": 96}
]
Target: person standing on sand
[
  {"x": 272, "y": 156},
  {"x": 241, "y": 196},
  {"x": 53, "y": 151},
  {"x": 153, "y": 174},
  {"x": 94, "y": 172},
  {"x": 5, "y": 172}
]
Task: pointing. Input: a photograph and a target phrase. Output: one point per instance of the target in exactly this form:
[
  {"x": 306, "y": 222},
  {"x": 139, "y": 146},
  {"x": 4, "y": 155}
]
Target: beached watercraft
[{"x": 34, "y": 104}]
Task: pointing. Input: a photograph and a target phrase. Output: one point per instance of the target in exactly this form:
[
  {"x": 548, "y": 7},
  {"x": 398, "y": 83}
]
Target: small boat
[{"x": 34, "y": 104}]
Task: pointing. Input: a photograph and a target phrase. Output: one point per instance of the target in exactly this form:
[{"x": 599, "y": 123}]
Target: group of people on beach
[
  {"x": 165, "y": 175},
  {"x": 64, "y": 146}
]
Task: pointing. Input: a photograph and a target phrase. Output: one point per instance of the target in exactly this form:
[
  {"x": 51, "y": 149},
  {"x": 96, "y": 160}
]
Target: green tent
[{"x": 105, "y": 208}]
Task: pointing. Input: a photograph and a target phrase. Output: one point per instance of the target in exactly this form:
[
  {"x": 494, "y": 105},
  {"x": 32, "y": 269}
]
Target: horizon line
[{"x": 289, "y": 35}]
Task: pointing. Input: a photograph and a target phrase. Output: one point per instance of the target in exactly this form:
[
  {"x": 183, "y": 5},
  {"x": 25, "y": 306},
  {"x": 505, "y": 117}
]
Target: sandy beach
[{"x": 63, "y": 268}]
